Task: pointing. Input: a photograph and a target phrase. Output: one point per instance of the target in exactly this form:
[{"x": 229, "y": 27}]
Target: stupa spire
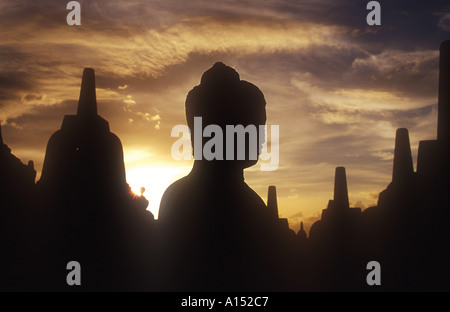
[
  {"x": 272, "y": 201},
  {"x": 403, "y": 164},
  {"x": 340, "y": 189},
  {"x": 87, "y": 104}
]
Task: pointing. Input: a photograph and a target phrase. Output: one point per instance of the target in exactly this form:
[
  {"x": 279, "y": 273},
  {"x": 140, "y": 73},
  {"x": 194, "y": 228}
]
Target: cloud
[
  {"x": 314, "y": 217},
  {"x": 412, "y": 73},
  {"x": 444, "y": 22},
  {"x": 152, "y": 118},
  {"x": 129, "y": 102},
  {"x": 33, "y": 99},
  {"x": 130, "y": 49},
  {"x": 296, "y": 215}
]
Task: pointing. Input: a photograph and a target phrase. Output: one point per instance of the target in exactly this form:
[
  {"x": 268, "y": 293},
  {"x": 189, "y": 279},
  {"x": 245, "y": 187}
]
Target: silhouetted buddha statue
[{"x": 214, "y": 225}]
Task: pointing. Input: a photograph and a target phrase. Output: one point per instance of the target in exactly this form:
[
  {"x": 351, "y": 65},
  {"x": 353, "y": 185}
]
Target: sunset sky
[{"x": 337, "y": 88}]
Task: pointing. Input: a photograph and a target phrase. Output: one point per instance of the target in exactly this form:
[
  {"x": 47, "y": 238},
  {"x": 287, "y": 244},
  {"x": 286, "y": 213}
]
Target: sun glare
[{"x": 155, "y": 180}]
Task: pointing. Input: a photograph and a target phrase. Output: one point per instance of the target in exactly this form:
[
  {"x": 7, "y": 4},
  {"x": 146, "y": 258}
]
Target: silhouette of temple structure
[
  {"x": 16, "y": 195},
  {"x": 91, "y": 210},
  {"x": 334, "y": 240},
  {"x": 17, "y": 181},
  {"x": 302, "y": 237},
  {"x": 84, "y": 154},
  {"x": 15, "y": 175},
  {"x": 414, "y": 259},
  {"x": 403, "y": 169},
  {"x": 272, "y": 205},
  {"x": 214, "y": 232},
  {"x": 432, "y": 160},
  {"x": 338, "y": 211}
]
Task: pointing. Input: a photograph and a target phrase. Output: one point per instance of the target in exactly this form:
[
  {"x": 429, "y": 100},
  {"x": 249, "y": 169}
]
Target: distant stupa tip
[
  {"x": 87, "y": 104},
  {"x": 272, "y": 200},
  {"x": 403, "y": 165},
  {"x": 340, "y": 188}
]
